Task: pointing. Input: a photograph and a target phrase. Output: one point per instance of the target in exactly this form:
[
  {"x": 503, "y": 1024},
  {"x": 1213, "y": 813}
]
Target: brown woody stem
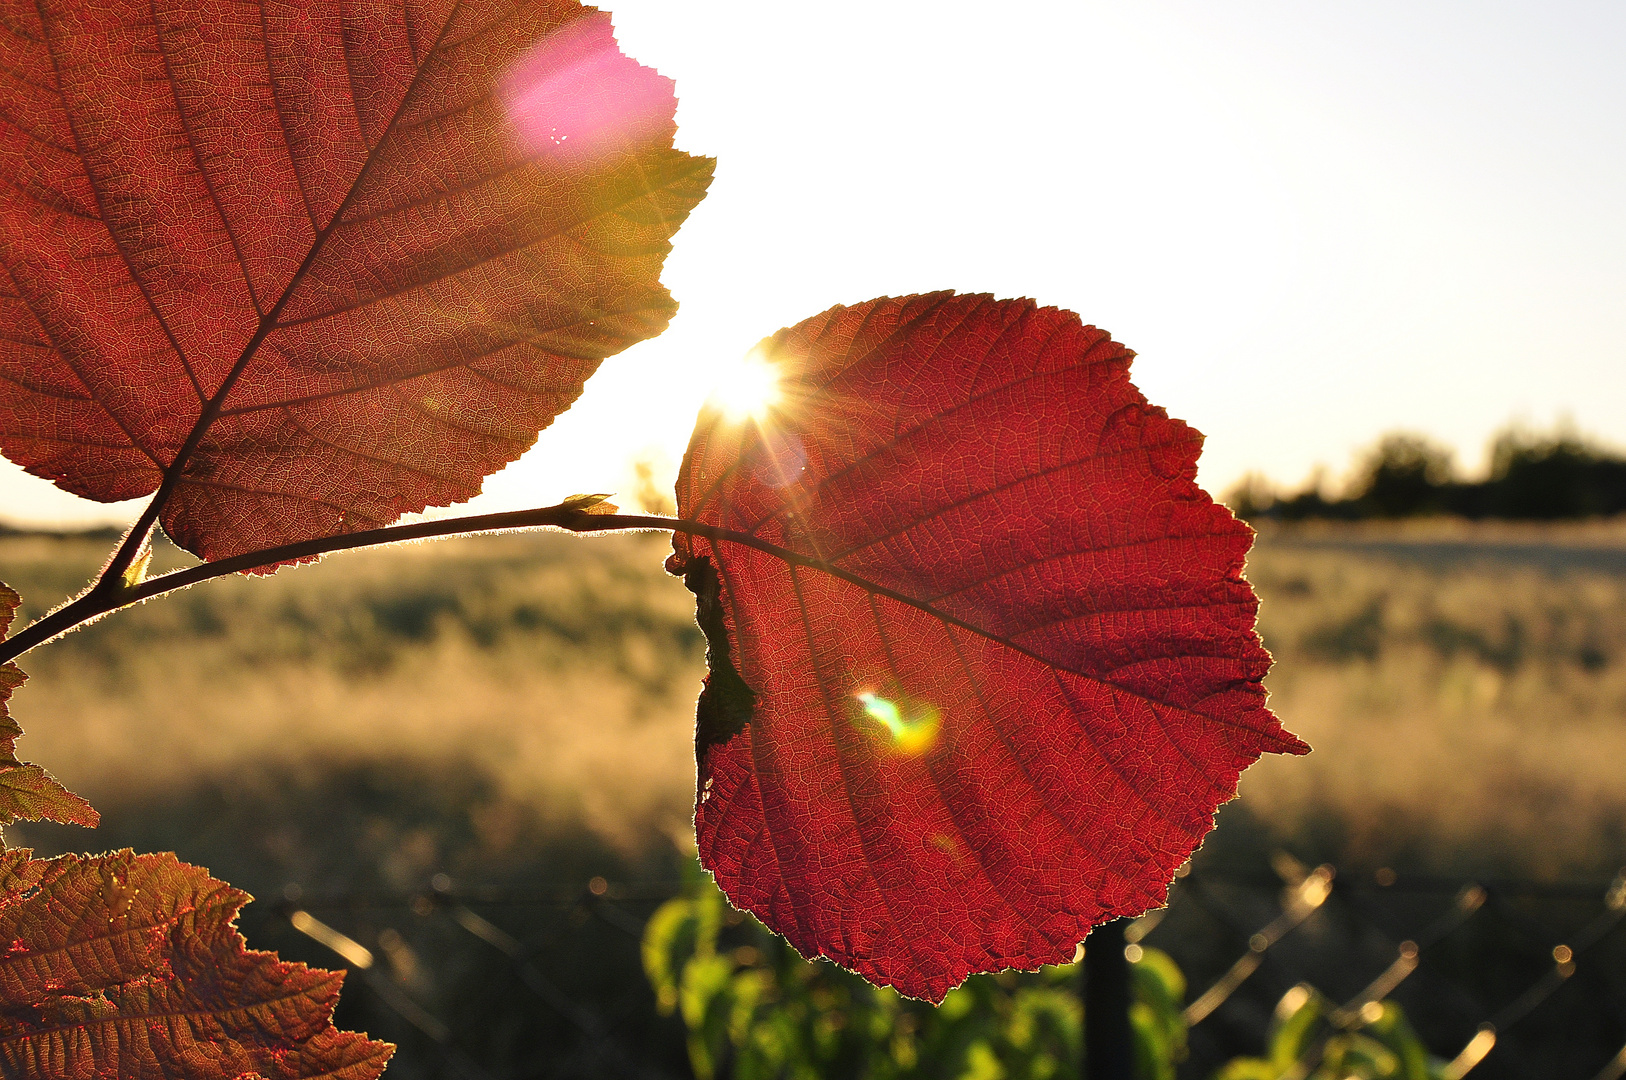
[
  {"x": 98, "y": 600},
  {"x": 109, "y": 594}
]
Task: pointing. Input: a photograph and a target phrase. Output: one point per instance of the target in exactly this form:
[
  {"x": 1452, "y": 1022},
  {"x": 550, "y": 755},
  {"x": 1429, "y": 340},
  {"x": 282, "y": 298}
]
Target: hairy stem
[
  {"x": 98, "y": 601},
  {"x": 108, "y": 594}
]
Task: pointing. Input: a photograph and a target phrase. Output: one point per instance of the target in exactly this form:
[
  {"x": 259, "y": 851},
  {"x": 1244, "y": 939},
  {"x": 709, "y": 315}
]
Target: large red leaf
[
  {"x": 387, "y": 240},
  {"x": 1009, "y": 708},
  {"x": 128, "y": 965}
]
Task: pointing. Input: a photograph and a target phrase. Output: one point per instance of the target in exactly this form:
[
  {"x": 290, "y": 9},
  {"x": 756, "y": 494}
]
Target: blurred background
[
  {"x": 1314, "y": 223},
  {"x": 465, "y": 769},
  {"x": 471, "y": 763}
]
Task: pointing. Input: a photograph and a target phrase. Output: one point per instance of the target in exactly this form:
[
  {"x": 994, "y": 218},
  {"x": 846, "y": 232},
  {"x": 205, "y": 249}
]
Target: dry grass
[
  {"x": 1464, "y": 688},
  {"x": 563, "y": 670}
]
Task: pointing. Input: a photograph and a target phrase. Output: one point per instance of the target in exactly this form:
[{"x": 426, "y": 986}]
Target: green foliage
[
  {"x": 1533, "y": 476},
  {"x": 1157, "y": 1014},
  {"x": 755, "y": 1009},
  {"x": 1311, "y": 1039}
]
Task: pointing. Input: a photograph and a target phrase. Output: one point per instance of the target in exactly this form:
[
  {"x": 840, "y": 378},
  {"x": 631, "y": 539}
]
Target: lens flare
[
  {"x": 576, "y": 96},
  {"x": 780, "y": 458},
  {"x": 908, "y": 729},
  {"x": 747, "y": 389}
]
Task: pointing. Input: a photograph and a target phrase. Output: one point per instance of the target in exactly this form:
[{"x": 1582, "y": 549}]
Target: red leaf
[
  {"x": 130, "y": 965},
  {"x": 28, "y": 791},
  {"x": 387, "y": 240},
  {"x": 1008, "y": 706}
]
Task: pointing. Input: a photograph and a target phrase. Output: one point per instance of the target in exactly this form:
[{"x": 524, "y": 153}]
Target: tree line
[{"x": 1533, "y": 476}]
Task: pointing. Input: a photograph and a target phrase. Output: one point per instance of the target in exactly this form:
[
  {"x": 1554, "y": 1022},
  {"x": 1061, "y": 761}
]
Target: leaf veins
[
  {"x": 313, "y": 265},
  {"x": 131, "y": 965},
  {"x": 1006, "y": 702}
]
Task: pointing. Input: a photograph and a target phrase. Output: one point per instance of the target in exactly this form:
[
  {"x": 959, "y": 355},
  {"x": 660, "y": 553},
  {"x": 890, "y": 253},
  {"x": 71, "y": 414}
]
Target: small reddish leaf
[
  {"x": 590, "y": 504},
  {"x": 105, "y": 921},
  {"x": 1007, "y": 706},
  {"x": 28, "y": 792},
  {"x": 130, "y": 965},
  {"x": 390, "y": 239}
]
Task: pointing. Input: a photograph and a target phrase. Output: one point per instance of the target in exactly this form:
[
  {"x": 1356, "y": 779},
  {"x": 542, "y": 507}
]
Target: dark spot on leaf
[{"x": 726, "y": 702}]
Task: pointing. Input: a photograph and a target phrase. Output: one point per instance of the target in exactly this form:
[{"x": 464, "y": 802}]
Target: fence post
[{"x": 1108, "y": 1049}]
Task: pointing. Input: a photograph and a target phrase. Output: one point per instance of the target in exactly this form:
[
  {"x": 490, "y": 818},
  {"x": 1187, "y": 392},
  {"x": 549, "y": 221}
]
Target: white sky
[{"x": 1314, "y": 222}]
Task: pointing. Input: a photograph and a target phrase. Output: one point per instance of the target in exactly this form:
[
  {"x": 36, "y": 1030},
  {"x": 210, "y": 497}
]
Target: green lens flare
[
  {"x": 914, "y": 734},
  {"x": 886, "y": 712}
]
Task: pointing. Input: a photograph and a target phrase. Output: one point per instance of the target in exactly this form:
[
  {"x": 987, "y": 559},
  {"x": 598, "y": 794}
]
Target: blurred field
[
  {"x": 1464, "y": 688},
  {"x": 562, "y": 670},
  {"x": 514, "y": 714},
  {"x": 518, "y": 712}
]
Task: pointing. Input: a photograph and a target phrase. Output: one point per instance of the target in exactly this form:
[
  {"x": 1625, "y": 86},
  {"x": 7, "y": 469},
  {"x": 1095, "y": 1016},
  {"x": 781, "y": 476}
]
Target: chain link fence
[{"x": 1502, "y": 978}]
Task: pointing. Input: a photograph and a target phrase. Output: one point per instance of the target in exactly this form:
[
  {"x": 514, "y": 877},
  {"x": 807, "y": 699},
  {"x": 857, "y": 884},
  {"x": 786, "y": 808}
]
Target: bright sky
[{"x": 1314, "y": 222}]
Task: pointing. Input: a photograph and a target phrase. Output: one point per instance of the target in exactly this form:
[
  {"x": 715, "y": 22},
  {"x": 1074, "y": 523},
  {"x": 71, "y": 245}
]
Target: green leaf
[
  {"x": 1248, "y": 1069},
  {"x": 1296, "y": 1017}
]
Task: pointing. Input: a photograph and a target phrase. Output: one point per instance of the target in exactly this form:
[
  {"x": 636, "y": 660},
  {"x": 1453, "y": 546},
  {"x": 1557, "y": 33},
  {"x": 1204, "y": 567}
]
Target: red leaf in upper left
[{"x": 387, "y": 239}]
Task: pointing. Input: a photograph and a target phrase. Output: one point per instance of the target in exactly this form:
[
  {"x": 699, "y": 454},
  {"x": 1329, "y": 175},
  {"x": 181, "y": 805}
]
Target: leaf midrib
[
  {"x": 308, "y": 993},
  {"x": 173, "y": 471},
  {"x": 796, "y": 558}
]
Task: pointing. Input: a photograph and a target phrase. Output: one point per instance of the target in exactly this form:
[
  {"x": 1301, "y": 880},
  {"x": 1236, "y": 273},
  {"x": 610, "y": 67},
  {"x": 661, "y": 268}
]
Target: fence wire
[
  {"x": 1306, "y": 892},
  {"x": 1301, "y": 895}
]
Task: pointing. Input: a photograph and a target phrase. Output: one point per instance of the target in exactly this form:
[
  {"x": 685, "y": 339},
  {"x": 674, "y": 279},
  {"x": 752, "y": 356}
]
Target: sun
[{"x": 748, "y": 388}]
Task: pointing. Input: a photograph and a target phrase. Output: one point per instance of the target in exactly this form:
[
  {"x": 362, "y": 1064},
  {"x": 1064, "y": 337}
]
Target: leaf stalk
[{"x": 110, "y": 593}]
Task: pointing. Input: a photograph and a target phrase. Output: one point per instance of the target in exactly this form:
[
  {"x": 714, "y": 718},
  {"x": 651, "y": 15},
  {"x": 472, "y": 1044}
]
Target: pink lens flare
[
  {"x": 575, "y": 95},
  {"x": 780, "y": 457}
]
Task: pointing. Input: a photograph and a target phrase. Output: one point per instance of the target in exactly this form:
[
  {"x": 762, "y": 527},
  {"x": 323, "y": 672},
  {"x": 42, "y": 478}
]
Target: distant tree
[
  {"x": 1252, "y": 497},
  {"x": 1562, "y": 475},
  {"x": 1403, "y": 476},
  {"x": 1533, "y": 476}
]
